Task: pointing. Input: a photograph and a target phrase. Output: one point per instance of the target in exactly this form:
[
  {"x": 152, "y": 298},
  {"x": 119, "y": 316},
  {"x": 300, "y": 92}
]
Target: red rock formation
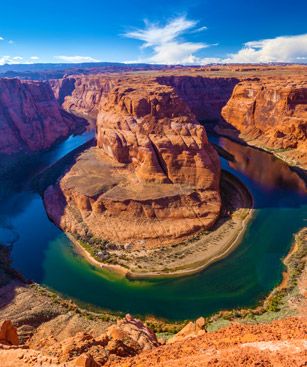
[
  {"x": 154, "y": 178},
  {"x": 271, "y": 114},
  {"x": 126, "y": 338},
  {"x": 81, "y": 95},
  {"x": 280, "y": 343},
  {"x": 30, "y": 117},
  {"x": 8, "y": 333},
  {"x": 204, "y": 95}
]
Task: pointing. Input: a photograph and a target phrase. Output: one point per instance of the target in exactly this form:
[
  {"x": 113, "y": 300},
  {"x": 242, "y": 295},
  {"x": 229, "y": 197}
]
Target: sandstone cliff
[
  {"x": 30, "y": 117},
  {"x": 154, "y": 178},
  {"x": 271, "y": 114},
  {"x": 204, "y": 95},
  {"x": 81, "y": 95},
  {"x": 265, "y": 106}
]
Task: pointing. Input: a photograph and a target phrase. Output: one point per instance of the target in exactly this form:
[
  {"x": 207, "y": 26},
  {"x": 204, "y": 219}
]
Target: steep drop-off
[
  {"x": 31, "y": 118},
  {"x": 271, "y": 114}
]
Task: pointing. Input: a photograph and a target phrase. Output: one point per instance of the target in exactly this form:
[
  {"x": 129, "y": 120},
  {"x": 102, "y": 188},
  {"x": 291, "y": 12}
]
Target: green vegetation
[{"x": 274, "y": 306}]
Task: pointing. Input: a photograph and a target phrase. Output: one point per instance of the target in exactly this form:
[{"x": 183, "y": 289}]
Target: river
[{"x": 44, "y": 254}]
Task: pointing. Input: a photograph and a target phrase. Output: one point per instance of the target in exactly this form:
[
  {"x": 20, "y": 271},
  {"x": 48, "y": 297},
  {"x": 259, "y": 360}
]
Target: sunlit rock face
[
  {"x": 31, "y": 118},
  {"x": 271, "y": 114},
  {"x": 81, "y": 95},
  {"x": 153, "y": 178}
]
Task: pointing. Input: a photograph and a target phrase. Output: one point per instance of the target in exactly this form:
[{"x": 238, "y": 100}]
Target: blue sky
[{"x": 157, "y": 31}]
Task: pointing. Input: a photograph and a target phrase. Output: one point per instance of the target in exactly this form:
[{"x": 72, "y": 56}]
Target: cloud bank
[
  {"x": 279, "y": 49},
  {"x": 168, "y": 47},
  {"x": 76, "y": 59}
]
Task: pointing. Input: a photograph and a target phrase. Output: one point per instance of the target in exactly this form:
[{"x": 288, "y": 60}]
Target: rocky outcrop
[
  {"x": 81, "y": 95},
  {"x": 279, "y": 343},
  {"x": 8, "y": 333},
  {"x": 271, "y": 114},
  {"x": 30, "y": 117},
  {"x": 153, "y": 178},
  {"x": 190, "y": 330},
  {"x": 126, "y": 338}
]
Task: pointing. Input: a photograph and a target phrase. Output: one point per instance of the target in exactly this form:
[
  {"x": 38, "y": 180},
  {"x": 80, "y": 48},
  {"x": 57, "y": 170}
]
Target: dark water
[{"x": 44, "y": 254}]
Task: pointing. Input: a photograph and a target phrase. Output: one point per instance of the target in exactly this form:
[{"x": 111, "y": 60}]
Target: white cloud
[
  {"x": 154, "y": 35},
  {"x": 11, "y": 42},
  {"x": 34, "y": 58},
  {"x": 11, "y": 60},
  {"x": 76, "y": 59},
  {"x": 166, "y": 46},
  {"x": 279, "y": 49},
  {"x": 200, "y": 29},
  {"x": 1, "y": 39}
]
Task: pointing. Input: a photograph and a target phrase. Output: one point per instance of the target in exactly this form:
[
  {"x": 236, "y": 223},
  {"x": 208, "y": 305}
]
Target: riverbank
[
  {"x": 289, "y": 156},
  {"x": 287, "y": 299},
  {"x": 188, "y": 257}
]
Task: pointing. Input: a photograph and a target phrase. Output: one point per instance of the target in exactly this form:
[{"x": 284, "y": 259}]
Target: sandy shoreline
[{"x": 196, "y": 255}]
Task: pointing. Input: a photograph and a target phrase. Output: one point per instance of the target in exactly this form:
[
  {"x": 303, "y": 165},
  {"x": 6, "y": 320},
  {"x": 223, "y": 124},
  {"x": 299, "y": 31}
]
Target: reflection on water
[
  {"x": 262, "y": 167},
  {"x": 43, "y": 253}
]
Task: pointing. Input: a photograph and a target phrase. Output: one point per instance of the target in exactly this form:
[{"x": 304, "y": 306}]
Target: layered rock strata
[
  {"x": 265, "y": 106},
  {"x": 31, "y": 118},
  {"x": 204, "y": 95},
  {"x": 153, "y": 177},
  {"x": 271, "y": 114},
  {"x": 81, "y": 95}
]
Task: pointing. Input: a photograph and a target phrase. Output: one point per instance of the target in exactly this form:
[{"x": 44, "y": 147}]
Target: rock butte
[
  {"x": 152, "y": 179},
  {"x": 30, "y": 117}
]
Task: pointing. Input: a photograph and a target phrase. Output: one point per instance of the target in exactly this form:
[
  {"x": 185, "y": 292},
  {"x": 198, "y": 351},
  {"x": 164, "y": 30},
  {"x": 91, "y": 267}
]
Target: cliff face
[
  {"x": 204, "y": 95},
  {"x": 81, "y": 95},
  {"x": 30, "y": 117},
  {"x": 258, "y": 104},
  {"x": 154, "y": 178},
  {"x": 271, "y": 114}
]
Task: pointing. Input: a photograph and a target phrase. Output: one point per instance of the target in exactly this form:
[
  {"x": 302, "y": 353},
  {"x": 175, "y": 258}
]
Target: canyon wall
[
  {"x": 30, "y": 117},
  {"x": 204, "y": 95},
  {"x": 265, "y": 107},
  {"x": 81, "y": 95},
  {"x": 271, "y": 114},
  {"x": 153, "y": 178}
]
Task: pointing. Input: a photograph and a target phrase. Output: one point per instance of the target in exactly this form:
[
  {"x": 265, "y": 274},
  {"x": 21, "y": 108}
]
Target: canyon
[
  {"x": 149, "y": 191},
  {"x": 263, "y": 106},
  {"x": 153, "y": 175}
]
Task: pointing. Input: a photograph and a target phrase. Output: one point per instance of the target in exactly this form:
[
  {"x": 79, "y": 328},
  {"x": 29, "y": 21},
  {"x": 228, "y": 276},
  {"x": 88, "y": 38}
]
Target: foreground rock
[
  {"x": 8, "y": 333},
  {"x": 153, "y": 178},
  {"x": 280, "y": 343},
  {"x": 126, "y": 338},
  {"x": 30, "y": 117}
]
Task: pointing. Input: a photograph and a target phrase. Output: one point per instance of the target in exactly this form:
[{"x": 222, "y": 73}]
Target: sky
[{"x": 159, "y": 32}]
